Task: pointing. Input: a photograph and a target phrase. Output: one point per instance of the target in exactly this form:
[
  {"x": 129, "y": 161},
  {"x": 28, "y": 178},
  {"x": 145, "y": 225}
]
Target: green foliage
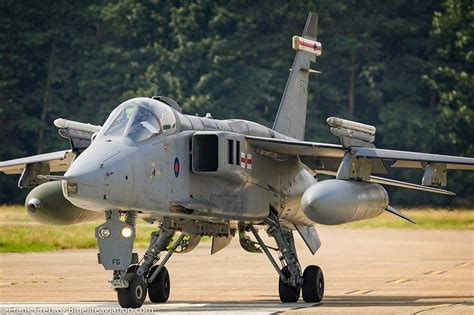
[
  {"x": 451, "y": 74},
  {"x": 404, "y": 66}
]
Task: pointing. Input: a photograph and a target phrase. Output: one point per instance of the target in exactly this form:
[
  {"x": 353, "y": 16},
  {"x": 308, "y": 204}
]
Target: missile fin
[{"x": 398, "y": 213}]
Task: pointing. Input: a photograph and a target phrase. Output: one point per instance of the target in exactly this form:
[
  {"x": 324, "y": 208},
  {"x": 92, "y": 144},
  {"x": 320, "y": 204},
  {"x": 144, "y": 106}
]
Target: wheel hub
[{"x": 139, "y": 292}]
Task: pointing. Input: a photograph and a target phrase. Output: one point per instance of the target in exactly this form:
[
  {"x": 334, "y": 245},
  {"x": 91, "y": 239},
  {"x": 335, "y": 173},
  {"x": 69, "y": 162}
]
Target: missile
[
  {"x": 46, "y": 204},
  {"x": 335, "y": 201},
  {"x": 62, "y": 123},
  {"x": 352, "y": 125}
]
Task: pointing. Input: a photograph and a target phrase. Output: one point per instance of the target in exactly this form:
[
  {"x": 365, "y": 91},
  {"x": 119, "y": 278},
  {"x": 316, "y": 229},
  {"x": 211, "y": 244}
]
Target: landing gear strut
[{"x": 292, "y": 281}]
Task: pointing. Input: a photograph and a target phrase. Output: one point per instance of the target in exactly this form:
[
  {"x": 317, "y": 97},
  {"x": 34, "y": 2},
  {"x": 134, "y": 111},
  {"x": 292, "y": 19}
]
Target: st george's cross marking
[{"x": 246, "y": 160}]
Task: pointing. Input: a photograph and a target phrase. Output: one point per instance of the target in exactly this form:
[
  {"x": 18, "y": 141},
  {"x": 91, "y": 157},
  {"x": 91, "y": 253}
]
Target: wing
[
  {"x": 79, "y": 135},
  {"x": 318, "y": 156},
  {"x": 57, "y": 161},
  {"x": 406, "y": 159},
  {"x": 327, "y": 159},
  {"x": 399, "y": 159},
  {"x": 296, "y": 147},
  {"x": 32, "y": 166}
]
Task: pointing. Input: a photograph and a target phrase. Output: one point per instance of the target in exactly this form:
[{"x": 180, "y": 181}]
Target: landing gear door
[{"x": 115, "y": 240}]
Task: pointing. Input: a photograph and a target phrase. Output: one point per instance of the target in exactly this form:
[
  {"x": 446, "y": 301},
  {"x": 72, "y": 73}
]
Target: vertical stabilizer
[{"x": 291, "y": 117}]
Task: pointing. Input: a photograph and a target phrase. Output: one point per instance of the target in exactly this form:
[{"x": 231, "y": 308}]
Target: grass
[
  {"x": 13, "y": 214},
  {"x": 36, "y": 237},
  {"x": 18, "y": 233},
  {"x": 426, "y": 218}
]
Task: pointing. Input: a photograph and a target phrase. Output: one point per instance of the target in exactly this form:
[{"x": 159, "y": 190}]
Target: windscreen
[
  {"x": 117, "y": 128},
  {"x": 144, "y": 126},
  {"x": 140, "y": 119}
]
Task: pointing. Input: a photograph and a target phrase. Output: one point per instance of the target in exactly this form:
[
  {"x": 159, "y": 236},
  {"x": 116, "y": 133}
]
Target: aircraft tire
[
  {"x": 288, "y": 294},
  {"x": 135, "y": 294},
  {"x": 159, "y": 289},
  {"x": 132, "y": 268},
  {"x": 313, "y": 285}
]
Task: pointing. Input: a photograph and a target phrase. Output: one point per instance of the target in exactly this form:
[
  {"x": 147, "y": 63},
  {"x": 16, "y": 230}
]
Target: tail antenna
[{"x": 155, "y": 92}]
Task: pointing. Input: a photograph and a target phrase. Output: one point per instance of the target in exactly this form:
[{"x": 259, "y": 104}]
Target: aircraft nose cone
[
  {"x": 100, "y": 179},
  {"x": 84, "y": 186},
  {"x": 83, "y": 176}
]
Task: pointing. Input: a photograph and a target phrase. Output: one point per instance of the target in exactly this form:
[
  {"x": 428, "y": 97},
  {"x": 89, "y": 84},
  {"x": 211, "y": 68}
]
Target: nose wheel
[
  {"x": 159, "y": 288},
  {"x": 134, "y": 295}
]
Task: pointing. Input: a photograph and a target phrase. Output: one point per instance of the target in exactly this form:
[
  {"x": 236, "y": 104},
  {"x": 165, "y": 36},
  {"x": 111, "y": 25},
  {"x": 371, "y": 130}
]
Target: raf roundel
[{"x": 176, "y": 167}]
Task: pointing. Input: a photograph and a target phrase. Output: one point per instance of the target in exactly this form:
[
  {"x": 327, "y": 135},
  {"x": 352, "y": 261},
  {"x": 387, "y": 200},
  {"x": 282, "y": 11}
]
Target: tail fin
[{"x": 291, "y": 116}]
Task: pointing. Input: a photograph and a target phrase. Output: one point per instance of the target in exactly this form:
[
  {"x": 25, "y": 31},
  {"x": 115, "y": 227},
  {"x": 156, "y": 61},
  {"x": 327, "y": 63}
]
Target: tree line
[{"x": 405, "y": 66}]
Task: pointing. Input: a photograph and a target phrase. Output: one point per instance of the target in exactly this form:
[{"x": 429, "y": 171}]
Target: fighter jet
[{"x": 199, "y": 176}]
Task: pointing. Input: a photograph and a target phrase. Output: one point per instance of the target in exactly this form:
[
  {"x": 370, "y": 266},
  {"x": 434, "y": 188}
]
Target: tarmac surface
[{"x": 379, "y": 271}]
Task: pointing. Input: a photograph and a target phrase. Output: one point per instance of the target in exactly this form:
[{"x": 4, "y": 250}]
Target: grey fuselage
[{"x": 158, "y": 177}]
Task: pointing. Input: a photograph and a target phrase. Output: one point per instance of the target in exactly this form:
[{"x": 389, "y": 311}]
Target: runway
[{"x": 378, "y": 271}]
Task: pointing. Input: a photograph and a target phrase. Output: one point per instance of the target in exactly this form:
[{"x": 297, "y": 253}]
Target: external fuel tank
[
  {"x": 46, "y": 204},
  {"x": 333, "y": 202}
]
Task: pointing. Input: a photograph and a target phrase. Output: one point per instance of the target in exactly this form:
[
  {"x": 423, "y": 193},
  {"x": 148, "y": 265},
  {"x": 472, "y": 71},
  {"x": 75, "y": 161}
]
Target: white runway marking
[
  {"x": 399, "y": 281},
  {"x": 435, "y": 272},
  {"x": 360, "y": 292},
  {"x": 466, "y": 264}
]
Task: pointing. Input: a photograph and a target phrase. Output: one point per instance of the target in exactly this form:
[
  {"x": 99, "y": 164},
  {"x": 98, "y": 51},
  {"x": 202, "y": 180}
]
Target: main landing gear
[{"x": 291, "y": 281}]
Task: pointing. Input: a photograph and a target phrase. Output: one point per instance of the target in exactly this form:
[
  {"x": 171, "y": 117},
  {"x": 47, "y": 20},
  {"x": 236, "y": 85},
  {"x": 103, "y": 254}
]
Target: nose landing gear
[
  {"x": 131, "y": 280},
  {"x": 115, "y": 253},
  {"x": 149, "y": 277}
]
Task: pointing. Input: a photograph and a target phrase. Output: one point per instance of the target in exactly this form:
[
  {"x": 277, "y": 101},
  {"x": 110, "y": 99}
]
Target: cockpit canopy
[{"x": 140, "y": 119}]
